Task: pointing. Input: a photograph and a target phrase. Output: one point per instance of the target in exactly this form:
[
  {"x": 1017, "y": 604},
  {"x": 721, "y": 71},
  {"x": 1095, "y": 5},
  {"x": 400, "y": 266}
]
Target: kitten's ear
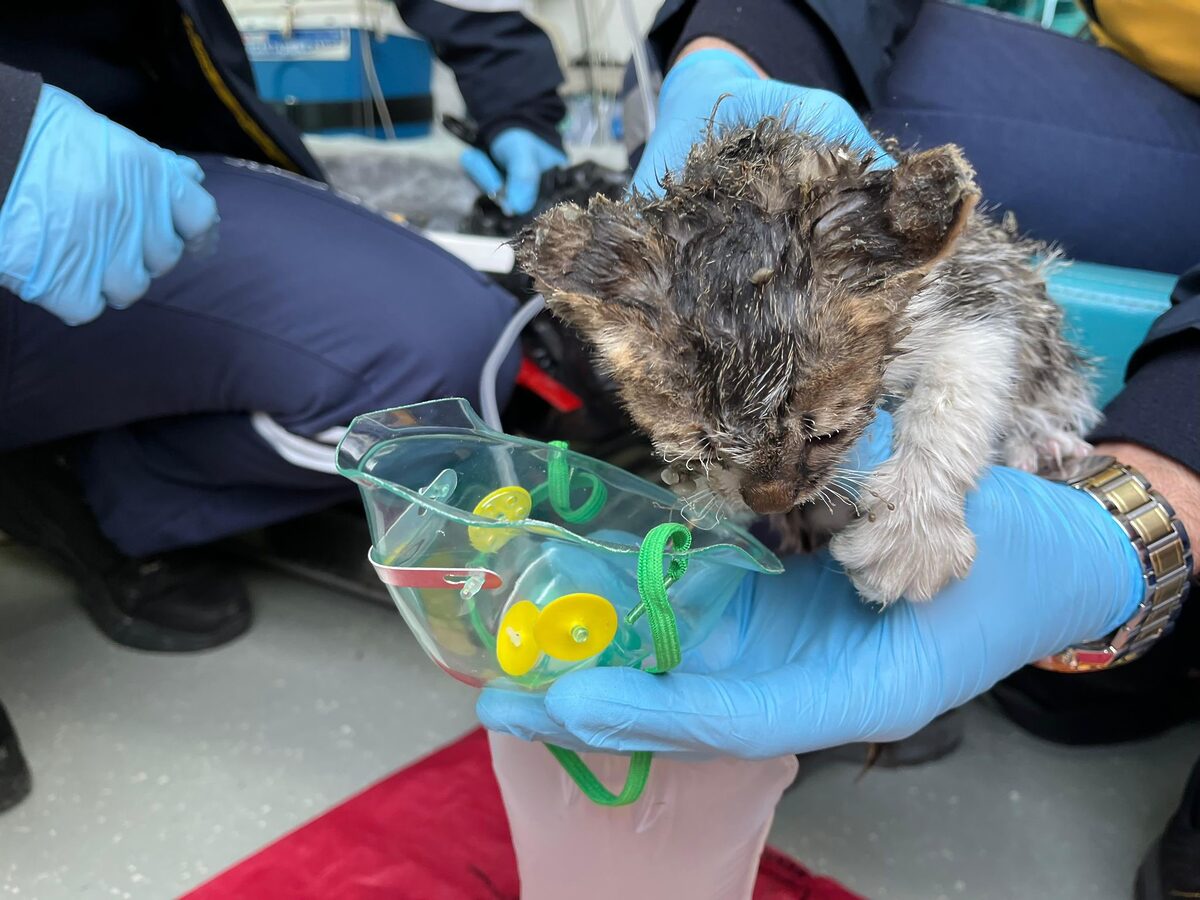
[
  {"x": 929, "y": 203},
  {"x": 598, "y": 268}
]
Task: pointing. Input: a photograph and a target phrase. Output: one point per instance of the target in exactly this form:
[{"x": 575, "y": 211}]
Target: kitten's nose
[{"x": 766, "y": 497}]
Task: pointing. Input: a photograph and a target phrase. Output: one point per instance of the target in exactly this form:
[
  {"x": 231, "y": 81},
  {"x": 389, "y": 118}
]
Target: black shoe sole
[
  {"x": 42, "y": 506},
  {"x": 14, "y": 789},
  {"x": 139, "y": 634}
]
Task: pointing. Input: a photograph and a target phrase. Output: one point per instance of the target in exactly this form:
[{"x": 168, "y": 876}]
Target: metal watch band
[{"x": 1163, "y": 548}]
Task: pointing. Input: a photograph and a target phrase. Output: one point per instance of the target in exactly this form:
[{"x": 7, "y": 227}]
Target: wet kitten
[{"x": 757, "y": 315}]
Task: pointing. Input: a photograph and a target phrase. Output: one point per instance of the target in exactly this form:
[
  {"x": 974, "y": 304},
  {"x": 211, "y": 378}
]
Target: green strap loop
[
  {"x": 593, "y": 788},
  {"x": 560, "y": 475},
  {"x": 652, "y": 587}
]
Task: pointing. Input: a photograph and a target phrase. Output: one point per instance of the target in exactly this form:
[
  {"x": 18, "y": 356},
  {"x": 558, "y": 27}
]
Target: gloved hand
[
  {"x": 800, "y": 663},
  {"x": 94, "y": 212},
  {"x": 524, "y": 157},
  {"x": 690, "y": 93}
]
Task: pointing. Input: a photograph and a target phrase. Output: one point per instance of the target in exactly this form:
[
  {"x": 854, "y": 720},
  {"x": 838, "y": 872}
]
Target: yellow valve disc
[
  {"x": 576, "y": 626},
  {"x": 516, "y": 646},
  {"x": 510, "y": 504}
]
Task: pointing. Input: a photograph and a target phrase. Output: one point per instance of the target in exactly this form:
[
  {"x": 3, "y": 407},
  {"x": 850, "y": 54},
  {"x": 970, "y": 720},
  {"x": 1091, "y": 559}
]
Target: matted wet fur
[{"x": 784, "y": 287}]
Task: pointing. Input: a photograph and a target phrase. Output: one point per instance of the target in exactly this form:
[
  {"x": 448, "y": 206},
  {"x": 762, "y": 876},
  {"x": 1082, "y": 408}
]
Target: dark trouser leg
[
  {"x": 1084, "y": 147},
  {"x": 311, "y": 311}
]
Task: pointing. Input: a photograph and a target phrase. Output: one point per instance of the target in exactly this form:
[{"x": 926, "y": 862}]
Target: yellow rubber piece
[
  {"x": 574, "y": 627},
  {"x": 516, "y": 645},
  {"x": 509, "y": 504}
]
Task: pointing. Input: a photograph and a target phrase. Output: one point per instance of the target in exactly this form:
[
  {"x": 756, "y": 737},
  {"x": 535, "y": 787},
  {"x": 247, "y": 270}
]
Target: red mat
[{"x": 433, "y": 831}]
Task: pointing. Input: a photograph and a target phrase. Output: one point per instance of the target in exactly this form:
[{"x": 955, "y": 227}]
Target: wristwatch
[{"x": 1163, "y": 548}]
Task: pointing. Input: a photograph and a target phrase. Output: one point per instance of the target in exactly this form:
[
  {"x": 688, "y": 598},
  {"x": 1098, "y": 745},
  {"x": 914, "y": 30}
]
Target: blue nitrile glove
[
  {"x": 695, "y": 84},
  {"x": 94, "y": 212},
  {"x": 799, "y": 663},
  {"x": 524, "y": 157}
]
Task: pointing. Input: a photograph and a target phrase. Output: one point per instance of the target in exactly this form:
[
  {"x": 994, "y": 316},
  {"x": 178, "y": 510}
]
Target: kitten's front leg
[{"x": 914, "y": 537}]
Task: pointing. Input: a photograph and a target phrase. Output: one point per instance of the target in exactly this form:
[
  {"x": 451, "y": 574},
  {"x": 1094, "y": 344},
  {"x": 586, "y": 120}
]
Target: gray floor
[{"x": 153, "y": 773}]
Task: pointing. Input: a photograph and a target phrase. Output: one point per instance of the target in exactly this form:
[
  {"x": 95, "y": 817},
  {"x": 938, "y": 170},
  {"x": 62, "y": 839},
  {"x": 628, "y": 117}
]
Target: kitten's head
[{"x": 749, "y": 314}]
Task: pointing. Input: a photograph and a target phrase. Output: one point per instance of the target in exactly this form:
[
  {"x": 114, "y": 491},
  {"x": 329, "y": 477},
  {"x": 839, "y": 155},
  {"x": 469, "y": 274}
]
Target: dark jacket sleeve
[
  {"x": 505, "y": 66},
  {"x": 19, "y": 93},
  {"x": 1159, "y": 407},
  {"x": 854, "y": 41}
]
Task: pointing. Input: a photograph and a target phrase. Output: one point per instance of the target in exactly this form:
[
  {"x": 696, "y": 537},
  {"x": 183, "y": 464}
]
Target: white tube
[
  {"x": 372, "y": 75},
  {"x": 489, "y": 408},
  {"x": 641, "y": 63}
]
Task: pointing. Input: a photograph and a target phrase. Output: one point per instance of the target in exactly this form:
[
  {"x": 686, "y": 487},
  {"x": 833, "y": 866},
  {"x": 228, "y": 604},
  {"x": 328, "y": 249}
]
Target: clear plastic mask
[{"x": 515, "y": 561}]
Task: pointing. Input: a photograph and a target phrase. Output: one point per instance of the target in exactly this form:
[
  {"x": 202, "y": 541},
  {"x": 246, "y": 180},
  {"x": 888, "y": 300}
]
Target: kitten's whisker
[
  {"x": 854, "y": 487},
  {"x": 861, "y": 473},
  {"x": 852, "y": 501}
]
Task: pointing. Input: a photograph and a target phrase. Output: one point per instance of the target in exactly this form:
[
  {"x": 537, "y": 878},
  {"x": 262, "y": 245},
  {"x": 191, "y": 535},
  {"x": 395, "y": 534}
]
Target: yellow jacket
[{"x": 1160, "y": 36}]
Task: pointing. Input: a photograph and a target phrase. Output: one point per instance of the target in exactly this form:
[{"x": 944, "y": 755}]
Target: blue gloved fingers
[
  {"x": 720, "y": 86},
  {"x": 161, "y": 245},
  {"x": 481, "y": 170},
  {"x": 193, "y": 209},
  {"x": 682, "y": 714},
  {"x": 717, "y": 67},
  {"x": 523, "y": 157},
  {"x": 125, "y": 280},
  {"x": 523, "y": 180},
  {"x": 819, "y": 112},
  {"x": 1012, "y": 511},
  {"x": 93, "y": 210},
  {"x": 518, "y": 152},
  {"x": 524, "y": 716},
  {"x": 189, "y": 168},
  {"x": 75, "y": 308},
  {"x": 796, "y": 708}
]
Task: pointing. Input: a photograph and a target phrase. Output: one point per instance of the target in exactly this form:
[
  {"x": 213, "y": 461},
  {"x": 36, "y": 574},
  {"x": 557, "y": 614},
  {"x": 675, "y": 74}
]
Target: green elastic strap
[
  {"x": 593, "y": 788},
  {"x": 652, "y": 587},
  {"x": 560, "y": 475}
]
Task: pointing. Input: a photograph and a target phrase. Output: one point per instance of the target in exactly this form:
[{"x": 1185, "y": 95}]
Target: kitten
[{"x": 758, "y": 314}]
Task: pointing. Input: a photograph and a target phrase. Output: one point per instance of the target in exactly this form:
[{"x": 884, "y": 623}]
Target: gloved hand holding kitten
[
  {"x": 691, "y": 92},
  {"x": 800, "y": 663}
]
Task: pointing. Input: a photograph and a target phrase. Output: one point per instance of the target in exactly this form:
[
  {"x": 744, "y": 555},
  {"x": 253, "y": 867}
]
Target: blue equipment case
[{"x": 317, "y": 78}]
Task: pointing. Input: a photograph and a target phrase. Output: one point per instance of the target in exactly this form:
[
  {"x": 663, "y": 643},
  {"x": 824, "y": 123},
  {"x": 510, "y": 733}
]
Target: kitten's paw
[
  {"x": 1058, "y": 450},
  {"x": 910, "y": 546},
  {"x": 1047, "y": 453}
]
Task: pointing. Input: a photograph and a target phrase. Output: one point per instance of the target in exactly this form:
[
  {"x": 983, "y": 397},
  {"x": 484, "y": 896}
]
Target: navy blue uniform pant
[
  {"x": 1084, "y": 147},
  {"x": 211, "y": 406}
]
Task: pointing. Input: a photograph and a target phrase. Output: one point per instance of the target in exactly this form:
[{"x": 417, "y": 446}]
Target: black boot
[
  {"x": 1172, "y": 867},
  {"x": 938, "y": 739},
  {"x": 14, "y": 773},
  {"x": 1131, "y": 702},
  {"x": 175, "y": 602}
]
